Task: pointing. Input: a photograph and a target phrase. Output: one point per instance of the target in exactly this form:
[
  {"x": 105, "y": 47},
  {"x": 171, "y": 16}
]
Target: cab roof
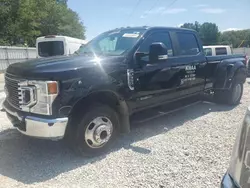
[{"x": 154, "y": 28}]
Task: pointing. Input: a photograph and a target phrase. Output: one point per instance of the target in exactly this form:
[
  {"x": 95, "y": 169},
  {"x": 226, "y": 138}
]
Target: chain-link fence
[{"x": 9, "y": 55}]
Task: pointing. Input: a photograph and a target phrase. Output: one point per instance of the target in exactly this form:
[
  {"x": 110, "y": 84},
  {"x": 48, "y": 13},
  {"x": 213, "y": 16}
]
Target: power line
[
  {"x": 133, "y": 10},
  {"x": 169, "y": 6},
  {"x": 154, "y": 5}
]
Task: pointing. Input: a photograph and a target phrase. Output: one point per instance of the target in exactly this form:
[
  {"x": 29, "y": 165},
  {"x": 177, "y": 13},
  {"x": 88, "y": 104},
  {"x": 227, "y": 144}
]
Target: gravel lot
[{"x": 188, "y": 148}]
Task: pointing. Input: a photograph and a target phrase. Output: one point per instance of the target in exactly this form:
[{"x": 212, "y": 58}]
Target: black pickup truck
[{"x": 88, "y": 98}]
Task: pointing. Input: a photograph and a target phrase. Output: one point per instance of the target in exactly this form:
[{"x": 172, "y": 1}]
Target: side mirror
[{"x": 157, "y": 51}]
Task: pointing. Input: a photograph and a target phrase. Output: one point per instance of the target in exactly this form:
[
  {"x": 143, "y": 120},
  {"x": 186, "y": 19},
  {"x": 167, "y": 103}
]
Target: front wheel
[
  {"x": 96, "y": 131},
  {"x": 231, "y": 96}
]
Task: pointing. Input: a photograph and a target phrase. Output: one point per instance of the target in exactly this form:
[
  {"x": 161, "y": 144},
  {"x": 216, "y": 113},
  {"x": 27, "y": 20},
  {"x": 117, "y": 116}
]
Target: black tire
[
  {"x": 231, "y": 96},
  {"x": 77, "y": 137}
]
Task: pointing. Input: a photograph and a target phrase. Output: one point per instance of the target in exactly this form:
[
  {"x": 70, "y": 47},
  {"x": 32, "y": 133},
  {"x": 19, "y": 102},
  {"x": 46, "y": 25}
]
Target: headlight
[{"x": 41, "y": 97}]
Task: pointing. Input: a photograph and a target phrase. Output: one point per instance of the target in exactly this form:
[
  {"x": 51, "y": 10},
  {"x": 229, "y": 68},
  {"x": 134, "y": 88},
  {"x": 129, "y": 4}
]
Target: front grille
[{"x": 11, "y": 86}]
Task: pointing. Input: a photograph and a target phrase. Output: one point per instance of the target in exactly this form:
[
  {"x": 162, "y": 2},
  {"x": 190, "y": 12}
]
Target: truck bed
[{"x": 215, "y": 59}]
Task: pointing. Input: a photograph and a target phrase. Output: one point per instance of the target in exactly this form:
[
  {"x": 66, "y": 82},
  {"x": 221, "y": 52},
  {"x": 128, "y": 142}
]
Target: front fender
[
  {"x": 71, "y": 96},
  {"x": 104, "y": 96},
  {"x": 71, "y": 91}
]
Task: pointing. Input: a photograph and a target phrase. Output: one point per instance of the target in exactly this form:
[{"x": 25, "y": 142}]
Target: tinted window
[
  {"x": 51, "y": 48},
  {"x": 157, "y": 37},
  {"x": 221, "y": 51},
  {"x": 187, "y": 44},
  {"x": 208, "y": 51}
]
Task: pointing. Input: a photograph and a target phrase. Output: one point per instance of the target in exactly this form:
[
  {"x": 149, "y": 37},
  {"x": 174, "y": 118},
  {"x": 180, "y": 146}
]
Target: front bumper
[{"x": 53, "y": 129}]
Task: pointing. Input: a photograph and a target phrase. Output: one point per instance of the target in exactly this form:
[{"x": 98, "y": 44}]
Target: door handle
[{"x": 203, "y": 63}]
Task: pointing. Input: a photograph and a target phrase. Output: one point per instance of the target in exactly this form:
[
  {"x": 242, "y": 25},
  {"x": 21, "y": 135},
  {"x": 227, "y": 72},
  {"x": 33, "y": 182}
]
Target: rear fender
[{"x": 226, "y": 73}]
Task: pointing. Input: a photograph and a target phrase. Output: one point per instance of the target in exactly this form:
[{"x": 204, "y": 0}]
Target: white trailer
[{"x": 54, "y": 45}]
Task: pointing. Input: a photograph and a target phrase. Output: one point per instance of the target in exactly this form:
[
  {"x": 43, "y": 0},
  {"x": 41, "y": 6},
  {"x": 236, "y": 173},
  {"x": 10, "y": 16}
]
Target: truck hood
[{"x": 63, "y": 67}]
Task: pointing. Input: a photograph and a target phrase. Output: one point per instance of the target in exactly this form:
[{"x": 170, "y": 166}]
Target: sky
[{"x": 102, "y": 15}]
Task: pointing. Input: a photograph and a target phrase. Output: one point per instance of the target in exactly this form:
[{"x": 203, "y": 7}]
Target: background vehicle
[
  {"x": 238, "y": 174},
  {"x": 88, "y": 99},
  {"x": 53, "y": 45},
  {"x": 217, "y": 50}
]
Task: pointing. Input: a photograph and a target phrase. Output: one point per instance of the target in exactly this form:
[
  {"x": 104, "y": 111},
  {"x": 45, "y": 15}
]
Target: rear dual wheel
[{"x": 231, "y": 96}]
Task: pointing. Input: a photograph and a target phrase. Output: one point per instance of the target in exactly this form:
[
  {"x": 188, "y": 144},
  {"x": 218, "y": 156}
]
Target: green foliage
[
  {"x": 194, "y": 26},
  {"x": 236, "y": 38},
  {"x": 210, "y": 35},
  {"x": 208, "y": 32},
  {"x": 22, "y": 21}
]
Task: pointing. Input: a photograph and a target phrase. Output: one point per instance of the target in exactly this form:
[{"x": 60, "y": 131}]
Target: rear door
[{"x": 191, "y": 57}]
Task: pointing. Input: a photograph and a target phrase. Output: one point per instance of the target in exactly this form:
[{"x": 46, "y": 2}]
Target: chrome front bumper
[{"x": 53, "y": 129}]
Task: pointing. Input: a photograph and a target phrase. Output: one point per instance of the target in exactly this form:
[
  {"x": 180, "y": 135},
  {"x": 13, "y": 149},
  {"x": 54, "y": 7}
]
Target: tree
[
  {"x": 196, "y": 26},
  {"x": 58, "y": 19},
  {"x": 236, "y": 38},
  {"x": 22, "y": 21},
  {"x": 8, "y": 19},
  {"x": 208, "y": 32}
]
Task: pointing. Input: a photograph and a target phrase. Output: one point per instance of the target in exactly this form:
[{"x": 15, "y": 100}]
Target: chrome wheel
[
  {"x": 237, "y": 92},
  {"x": 98, "y": 132}
]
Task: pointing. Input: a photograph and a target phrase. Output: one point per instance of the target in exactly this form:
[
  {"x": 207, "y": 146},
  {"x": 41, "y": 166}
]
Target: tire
[
  {"x": 231, "y": 96},
  {"x": 100, "y": 122}
]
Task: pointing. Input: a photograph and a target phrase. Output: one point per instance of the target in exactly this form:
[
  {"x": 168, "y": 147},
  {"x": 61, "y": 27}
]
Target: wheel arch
[
  {"x": 228, "y": 71},
  {"x": 106, "y": 97}
]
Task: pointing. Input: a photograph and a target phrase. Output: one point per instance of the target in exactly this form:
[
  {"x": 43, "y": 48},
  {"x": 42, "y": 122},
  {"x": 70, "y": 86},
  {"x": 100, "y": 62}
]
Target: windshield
[{"x": 114, "y": 43}]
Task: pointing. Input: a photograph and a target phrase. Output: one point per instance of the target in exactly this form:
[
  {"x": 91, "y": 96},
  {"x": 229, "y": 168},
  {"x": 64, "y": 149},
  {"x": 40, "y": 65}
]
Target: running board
[{"x": 157, "y": 112}]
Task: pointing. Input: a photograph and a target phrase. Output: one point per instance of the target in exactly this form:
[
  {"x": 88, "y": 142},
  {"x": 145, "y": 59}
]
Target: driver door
[{"x": 154, "y": 81}]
